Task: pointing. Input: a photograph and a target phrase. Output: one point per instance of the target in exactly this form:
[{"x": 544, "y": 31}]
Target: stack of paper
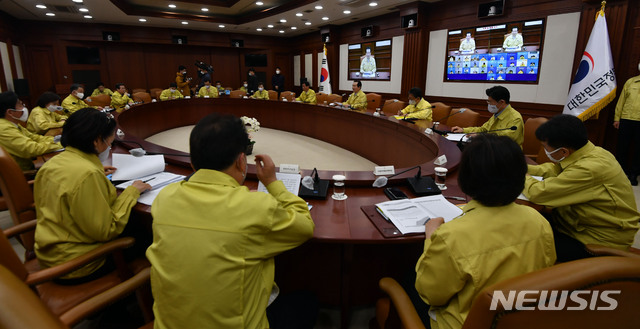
[
  {"x": 410, "y": 215},
  {"x": 457, "y": 137},
  {"x": 291, "y": 182},
  {"x": 521, "y": 196}
]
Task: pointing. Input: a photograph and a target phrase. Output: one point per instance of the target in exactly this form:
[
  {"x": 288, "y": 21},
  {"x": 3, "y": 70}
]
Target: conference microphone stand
[
  {"x": 444, "y": 132},
  {"x": 419, "y": 185}
]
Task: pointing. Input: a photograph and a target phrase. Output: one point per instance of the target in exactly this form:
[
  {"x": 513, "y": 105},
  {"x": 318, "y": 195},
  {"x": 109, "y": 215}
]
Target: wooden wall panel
[
  {"x": 226, "y": 65},
  {"x": 123, "y": 66}
]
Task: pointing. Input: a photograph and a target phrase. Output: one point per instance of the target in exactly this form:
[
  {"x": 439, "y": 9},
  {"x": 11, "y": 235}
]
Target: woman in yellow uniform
[
  {"x": 44, "y": 118},
  {"x": 260, "y": 93}
]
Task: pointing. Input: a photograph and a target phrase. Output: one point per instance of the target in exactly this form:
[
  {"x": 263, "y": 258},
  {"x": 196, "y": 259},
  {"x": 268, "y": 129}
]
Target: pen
[
  {"x": 459, "y": 198},
  {"x": 150, "y": 179}
]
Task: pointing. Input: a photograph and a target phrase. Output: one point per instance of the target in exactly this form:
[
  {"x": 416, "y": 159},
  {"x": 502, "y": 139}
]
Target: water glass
[
  {"x": 338, "y": 187},
  {"x": 441, "y": 177}
]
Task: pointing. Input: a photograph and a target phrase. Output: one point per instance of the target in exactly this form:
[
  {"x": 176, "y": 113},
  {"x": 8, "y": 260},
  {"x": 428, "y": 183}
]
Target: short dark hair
[
  {"x": 358, "y": 82},
  {"x": 100, "y": 84},
  {"x": 260, "y": 84},
  {"x": 216, "y": 141},
  {"x": 206, "y": 80},
  {"x": 499, "y": 93},
  {"x": 8, "y": 100},
  {"x": 277, "y": 67},
  {"x": 251, "y": 70},
  {"x": 46, "y": 98},
  {"x": 416, "y": 92},
  {"x": 118, "y": 85},
  {"x": 173, "y": 84},
  {"x": 306, "y": 83},
  {"x": 218, "y": 81},
  {"x": 182, "y": 67},
  {"x": 563, "y": 131},
  {"x": 84, "y": 126},
  {"x": 75, "y": 86},
  {"x": 492, "y": 170}
]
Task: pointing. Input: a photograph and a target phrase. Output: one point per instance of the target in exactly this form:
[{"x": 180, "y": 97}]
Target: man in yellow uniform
[
  {"x": 182, "y": 81},
  {"x": 212, "y": 229},
  {"x": 513, "y": 41},
  {"x": 261, "y": 93},
  {"x": 208, "y": 91},
  {"x": 219, "y": 87},
  {"x": 504, "y": 117},
  {"x": 418, "y": 107},
  {"x": 101, "y": 90},
  {"x": 591, "y": 197},
  {"x": 244, "y": 87},
  {"x": 17, "y": 140},
  {"x": 627, "y": 121},
  {"x": 368, "y": 64},
  {"x": 307, "y": 95},
  {"x": 120, "y": 99},
  {"x": 44, "y": 118},
  {"x": 74, "y": 101},
  {"x": 171, "y": 93},
  {"x": 357, "y": 100},
  {"x": 493, "y": 240}
]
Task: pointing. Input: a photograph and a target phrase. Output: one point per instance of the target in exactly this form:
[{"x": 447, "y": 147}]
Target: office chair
[
  {"x": 289, "y": 96},
  {"x": 440, "y": 111},
  {"x": 531, "y": 145},
  {"x": 373, "y": 101},
  {"x": 392, "y": 106},
  {"x": 143, "y": 97},
  {"x": 468, "y": 118},
  {"x": 100, "y": 100}
]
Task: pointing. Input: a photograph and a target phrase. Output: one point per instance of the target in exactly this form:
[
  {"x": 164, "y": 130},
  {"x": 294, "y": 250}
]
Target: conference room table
[{"x": 347, "y": 255}]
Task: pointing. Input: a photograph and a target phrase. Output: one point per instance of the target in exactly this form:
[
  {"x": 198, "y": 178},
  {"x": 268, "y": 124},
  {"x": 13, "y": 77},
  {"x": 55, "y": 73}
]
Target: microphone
[
  {"x": 461, "y": 143},
  {"x": 140, "y": 152},
  {"x": 314, "y": 187},
  {"x": 494, "y": 130},
  {"x": 382, "y": 180},
  {"x": 419, "y": 185},
  {"x": 444, "y": 132}
]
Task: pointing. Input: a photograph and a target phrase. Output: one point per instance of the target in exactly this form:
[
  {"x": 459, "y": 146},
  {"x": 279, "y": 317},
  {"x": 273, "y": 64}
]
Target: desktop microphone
[
  {"x": 490, "y": 131},
  {"x": 443, "y": 132},
  {"x": 314, "y": 187},
  {"x": 140, "y": 151},
  {"x": 419, "y": 185},
  {"x": 461, "y": 143},
  {"x": 382, "y": 180}
]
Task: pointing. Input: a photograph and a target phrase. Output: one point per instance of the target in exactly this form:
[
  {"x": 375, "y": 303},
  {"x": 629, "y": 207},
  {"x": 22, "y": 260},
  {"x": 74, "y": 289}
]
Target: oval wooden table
[{"x": 347, "y": 255}]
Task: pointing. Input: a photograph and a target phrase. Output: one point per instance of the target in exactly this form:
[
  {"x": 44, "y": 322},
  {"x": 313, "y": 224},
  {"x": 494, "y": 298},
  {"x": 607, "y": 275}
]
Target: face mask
[
  {"x": 277, "y": 71},
  {"x": 80, "y": 95},
  {"x": 492, "y": 108},
  {"x": 246, "y": 85},
  {"x": 261, "y": 89},
  {"x": 217, "y": 86},
  {"x": 412, "y": 102},
  {"x": 173, "y": 91},
  {"x": 104, "y": 155},
  {"x": 24, "y": 116},
  {"x": 54, "y": 108},
  {"x": 208, "y": 87},
  {"x": 551, "y": 158},
  {"x": 184, "y": 73}
]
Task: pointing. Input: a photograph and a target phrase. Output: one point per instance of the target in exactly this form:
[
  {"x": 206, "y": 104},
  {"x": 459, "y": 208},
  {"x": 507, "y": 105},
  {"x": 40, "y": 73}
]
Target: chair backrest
[
  {"x": 392, "y": 106},
  {"x": 373, "y": 101},
  {"x": 468, "y": 118},
  {"x": 288, "y": 95},
  {"x": 18, "y": 195},
  {"x": 592, "y": 277},
  {"x": 11, "y": 260},
  {"x": 138, "y": 90},
  {"x": 155, "y": 92},
  {"x": 440, "y": 111},
  {"x": 100, "y": 100},
  {"x": 237, "y": 93},
  {"x": 273, "y": 95},
  {"x": 142, "y": 97},
  {"x": 542, "y": 156},
  {"x": 321, "y": 98},
  {"x": 531, "y": 145},
  {"x": 334, "y": 98}
]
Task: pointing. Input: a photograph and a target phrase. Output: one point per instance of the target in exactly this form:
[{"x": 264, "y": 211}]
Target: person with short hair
[
  {"x": 22, "y": 144},
  {"x": 45, "y": 118},
  {"x": 208, "y": 90},
  {"x": 171, "y": 93},
  {"x": 357, "y": 100},
  {"x": 368, "y": 64},
  {"x": 101, "y": 90},
  {"x": 182, "y": 82},
  {"x": 591, "y": 197},
  {"x": 214, "y": 240},
  {"x": 418, "y": 107},
  {"x": 504, "y": 116},
  {"x": 77, "y": 207},
  {"x": 307, "y": 95},
  {"x": 627, "y": 121},
  {"x": 260, "y": 93},
  {"x": 277, "y": 81},
  {"x": 120, "y": 100},
  {"x": 252, "y": 81},
  {"x": 244, "y": 86},
  {"x": 493, "y": 240},
  {"x": 75, "y": 101}
]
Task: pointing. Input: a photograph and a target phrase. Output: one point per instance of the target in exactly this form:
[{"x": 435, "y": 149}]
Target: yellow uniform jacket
[
  {"x": 421, "y": 111},
  {"x": 507, "y": 118},
  {"x": 308, "y": 97},
  {"x": 72, "y": 103},
  {"x": 41, "y": 119},
  {"x": 24, "y": 145},
  {"x": 260, "y": 95},
  {"x": 211, "y": 92},
  {"x": 628, "y": 106},
  {"x": 358, "y": 101},
  {"x": 119, "y": 101},
  {"x": 167, "y": 94},
  {"x": 97, "y": 92}
]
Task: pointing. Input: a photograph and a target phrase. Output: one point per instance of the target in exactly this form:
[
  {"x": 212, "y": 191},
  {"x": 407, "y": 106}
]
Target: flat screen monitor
[
  {"x": 83, "y": 55},
  {"x": 255, "y": 60},
  {"x": 370, "y": 60}
]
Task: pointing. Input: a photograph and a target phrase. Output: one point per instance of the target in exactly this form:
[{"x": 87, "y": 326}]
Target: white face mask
[
  {"x": 412, "y": 102},
  {"x": 54, "y": 108},
  {"x": 80, "y": 95},
  {"x": 208, "y": 86},
  {"x": 217, "y": 86},
  {"x": 261, "y": 89},
  {"x": 277, "y": 71},
  {"x": 246, "y": 85},
  {"x": 104, "y": 155},
  {"x": 551, "y": 158},
  {"x": 492, "y": 108},
  {"x": 24, "y": 116},
  {"x": 173, "y": 90}
]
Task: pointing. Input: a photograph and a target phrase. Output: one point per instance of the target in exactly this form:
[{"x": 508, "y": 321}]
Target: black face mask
[{"x": 185, "y": 73}]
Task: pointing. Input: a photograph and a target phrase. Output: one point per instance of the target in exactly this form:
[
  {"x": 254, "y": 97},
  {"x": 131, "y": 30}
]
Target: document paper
[
  {"x": 521, "y": 196},
  {"x": 130, "y": 167},
  {"x": 291, "y": 182},
  {"x": 410, "y": 215}
]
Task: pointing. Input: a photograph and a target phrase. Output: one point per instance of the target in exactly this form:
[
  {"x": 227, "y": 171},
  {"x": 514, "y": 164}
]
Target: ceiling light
[
  {"x": 307, "y": 23},
  {"x": 221, "y": 26},
  {"x": 283, "y": 20},
  {"x": 270, "y": 26},
  {"x": 88, "y": 16},
  {"x": 294, "y": 28},
  {"x": 172, "y": 5},
  {"x": 373, "y": 4},
  {"x": 50, "y": 14},
  {"x": 347, "y": 12},
  {"x": 259, "y": 3},
  {"x": 142, "y": 20},
  {"x": 77, "y": 1},
  {"x": 205, "y": 9},
  {"x": 299, "y": 14},
  {"x": 325, "y": 18},
  {"x": 185, "y": 23},
  {"x": 41, "y": 6},
  {"x": 281, "y": 31},
  {"x": 84, "y": 10},
  {"x": 259, "y": 29},
  {"x": 318, "y": 7}
]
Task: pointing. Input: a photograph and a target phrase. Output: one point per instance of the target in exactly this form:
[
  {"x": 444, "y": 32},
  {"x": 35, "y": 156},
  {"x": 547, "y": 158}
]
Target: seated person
[
  {"x": 591, "y": 197},
  {"x": 211, "y": 228},
  {"x": 357, "y": 100},
  {"x": 513, "y": 41},
  {"x": 260, "y": 93},
  {"x": 219, "y": 87},
  {"x": 44, "y": 118},
  {"x": 493, "y": 240},
  {"x": 504, "y": 117},
  {"x": 368, "y": 64},
  {"x": 307, "y": 95},
  {"x": 171, "y": 93},
  {"x": 244, "y": 87},
  {"x": 22, "y": 144},
  {"x": 207, "y": 90},
  {"x": 418, "y": 107},
  {"x": 120, "y": 100},
  {"x": 468, "y": 44},
  {"x": 74, "y": 101},
  {"x": 83, "y": 211},
  {"x": 101, "y": 90}
]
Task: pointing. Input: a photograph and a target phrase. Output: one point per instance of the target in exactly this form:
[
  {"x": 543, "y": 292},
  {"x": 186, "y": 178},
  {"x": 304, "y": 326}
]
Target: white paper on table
[
  {"x": 291, "y": 182},
  {"x": 410, "y": 215},
  {"x": 457, "y": 137},
  {"x": 148, "y": 197},
  {"x": 521, "y": 196},
  {"x": 155, "y": 180},
  {"x": 130, "y": 167}
]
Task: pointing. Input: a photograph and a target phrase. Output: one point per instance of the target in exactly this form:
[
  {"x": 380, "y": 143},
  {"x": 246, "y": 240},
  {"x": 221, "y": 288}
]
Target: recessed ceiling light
[
  {"x": 318, "y": 7},
  {"x": 221, "y": 26},
  {"x": 142, "y": 20},
  {"x": 205, "y": 9},
  {"x": 270, "y": 26},
  {"x": 77, "y": 1},
  {"x": 50, "y": 14},
  {"x": 347, "y": 12},
  {"x": 259, "y": 29},
  {"x": 299, "y": 14},
  {"x": 283, "y": 20},
  {"x": 281, "y": 31},
  {"x": 88, "y": 16},
  {"x": 307, "y": 23},
  {"x": 259, "y": 3},
  {"x": 84, "y": 10},
  {"x": 172, "y": 5},
  {"x": 325, "y": 18},
  {"x": 185, "y": 23},
  {"x": 373, "y": 4},
  {"x": 41, "y": 6},
  {"x": 294, "y": 28}
]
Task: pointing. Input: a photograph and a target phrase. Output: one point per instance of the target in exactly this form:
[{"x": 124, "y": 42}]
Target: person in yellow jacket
[
  {"x": 75, "y": 101},
  {"x": 244, "y": 87},
  {"x": 493, "y": 240},
  {"x": 260, "y": 93},
  {"x": 171, "y": 93},
  {"x": 590, "y": 195},
  {"x": 22, "y": 144},
  {"x": 44, "y": 118},
  {"x": 211, "y": 228},
  {"x": 504, "y": 117},
  {"x": 208, "y": 91},
  {"x": 182, "y": 81},
  {"x": 120, "y": 100},
  {"x": 357, "y": 100},
  {"x": 101, "y": 90},
  {"x": 627, "y": 121},
  {"x": 307, "y": 95},
  {"x": 418, "y": 107},
  {"x": 83, "y": 211}
]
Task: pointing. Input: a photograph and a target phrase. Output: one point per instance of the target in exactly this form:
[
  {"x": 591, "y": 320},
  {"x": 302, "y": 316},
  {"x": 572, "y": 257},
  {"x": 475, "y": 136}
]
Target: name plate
[
  {"x": 289, "y": 168},
  {"x": 384, "y": 170}
]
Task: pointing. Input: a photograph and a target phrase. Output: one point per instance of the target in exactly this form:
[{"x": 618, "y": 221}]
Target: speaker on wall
[
  {"x": 21, "y": 87},
  {"x": 111, "y": 36},
  {"x": 325, "y": 38},
  {"x": 237, "y": 43},
  {"x": 367, "y": 31},
  {"x": 179, "y": 39}
]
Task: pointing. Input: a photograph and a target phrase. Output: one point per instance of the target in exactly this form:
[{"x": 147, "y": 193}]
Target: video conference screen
[
  {"x": 370, "y": 60},
  {"x": 504, "y": 52}
]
